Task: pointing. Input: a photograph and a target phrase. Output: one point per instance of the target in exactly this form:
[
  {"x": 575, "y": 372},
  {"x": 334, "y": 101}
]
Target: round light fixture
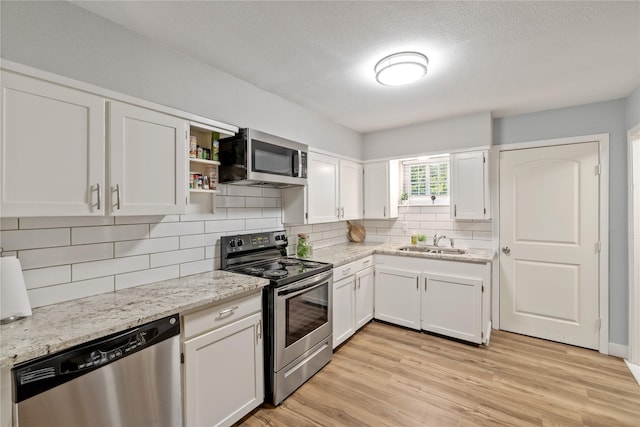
[{"x": 401, "y": 68}]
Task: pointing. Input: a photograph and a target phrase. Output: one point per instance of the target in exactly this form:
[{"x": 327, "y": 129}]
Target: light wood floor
[{"x": 389, "y": 376}]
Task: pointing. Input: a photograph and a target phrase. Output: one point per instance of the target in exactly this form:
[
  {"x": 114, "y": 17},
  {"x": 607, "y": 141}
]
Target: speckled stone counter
[
  {"x": 56, "y": 327},
  {"x": 343, "y": 254}
]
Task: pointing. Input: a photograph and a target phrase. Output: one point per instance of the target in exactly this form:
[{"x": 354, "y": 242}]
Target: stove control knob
[
  {"x": 232, "y": 243},
  {"x": 240, "y": 242}
]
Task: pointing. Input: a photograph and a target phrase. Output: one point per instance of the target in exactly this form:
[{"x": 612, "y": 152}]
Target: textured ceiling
[{"x": 504, "y": 57}]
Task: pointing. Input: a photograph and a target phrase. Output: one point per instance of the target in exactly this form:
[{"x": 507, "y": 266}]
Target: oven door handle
[{"x": 305, "y": 285}]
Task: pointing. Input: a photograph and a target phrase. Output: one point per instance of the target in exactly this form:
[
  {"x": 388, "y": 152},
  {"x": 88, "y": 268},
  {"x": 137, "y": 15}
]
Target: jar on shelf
[
  {"x": 215, "y": 145},
  {"x": 212, "y": 173},
  {"x": 193, "y": 147},
  {"x": 304, "y": 248}
]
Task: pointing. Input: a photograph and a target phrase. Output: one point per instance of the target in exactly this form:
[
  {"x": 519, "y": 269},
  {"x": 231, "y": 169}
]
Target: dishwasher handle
[{"x": 39, "y": 375}]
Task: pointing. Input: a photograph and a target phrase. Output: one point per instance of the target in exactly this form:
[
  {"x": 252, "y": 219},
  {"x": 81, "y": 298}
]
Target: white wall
[
  {"x": 62, "y": 38},
  {"x": 601, "y": 117},
  {"x": 429, "y": 137}
]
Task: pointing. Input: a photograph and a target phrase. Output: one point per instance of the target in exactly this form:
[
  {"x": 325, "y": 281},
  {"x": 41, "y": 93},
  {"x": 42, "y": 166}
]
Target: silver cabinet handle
[
  {"x": 506, "y": 250},
  {"x": 366, "y": 261},
  {"x": 228, "y": 311},
  {"x": 417, "y": 283},
  {"x": 346, "y": 271},
  {"x": 384, "y": 212},
  {"x": 342, "y": 209},
  {"x": 259, "y": 331},
  {"x": 455, "y": 211},
  {"x": 99, "y": 201},
  {"x": 117, "y": 196},
  {"x": 425, "y": 284},
  {"x": 358, "y": 283}
]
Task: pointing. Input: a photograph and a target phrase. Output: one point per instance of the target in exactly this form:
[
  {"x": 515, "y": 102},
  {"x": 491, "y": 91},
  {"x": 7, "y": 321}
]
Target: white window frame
[{"x": 427, "y": 162}]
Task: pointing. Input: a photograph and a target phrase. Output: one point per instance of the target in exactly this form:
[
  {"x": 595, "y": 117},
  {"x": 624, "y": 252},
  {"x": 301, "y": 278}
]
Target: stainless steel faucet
[{"x": 436, "y": 239}]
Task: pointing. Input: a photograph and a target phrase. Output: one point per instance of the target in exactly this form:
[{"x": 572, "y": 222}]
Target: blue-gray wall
[
  {"x": 602, "y": 117},
  {"x": 633, "y": 109}
]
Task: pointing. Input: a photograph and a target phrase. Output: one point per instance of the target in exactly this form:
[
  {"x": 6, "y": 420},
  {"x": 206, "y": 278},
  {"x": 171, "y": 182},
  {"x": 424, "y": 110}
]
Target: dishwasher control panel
[{"x": 30, "y": 377}]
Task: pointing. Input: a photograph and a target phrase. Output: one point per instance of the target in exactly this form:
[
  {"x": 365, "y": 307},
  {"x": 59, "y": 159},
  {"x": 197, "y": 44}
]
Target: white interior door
[
  {"x": 634, "y": 251},
  {"x": 549, "y": 240}
]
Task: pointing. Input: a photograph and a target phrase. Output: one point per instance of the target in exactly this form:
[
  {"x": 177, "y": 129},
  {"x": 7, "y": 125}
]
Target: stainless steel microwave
[{"x": 257, "y": 158}]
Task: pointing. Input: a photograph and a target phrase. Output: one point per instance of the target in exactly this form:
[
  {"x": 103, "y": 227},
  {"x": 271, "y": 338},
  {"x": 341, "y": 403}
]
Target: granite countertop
[
  {"x": 343, "y": 254},
  {"x": 56, "y": 327}
]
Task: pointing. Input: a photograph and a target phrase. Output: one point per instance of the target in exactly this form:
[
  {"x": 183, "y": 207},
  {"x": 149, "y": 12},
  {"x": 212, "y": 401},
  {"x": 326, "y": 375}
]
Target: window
[{"x": 425, "y": 180}]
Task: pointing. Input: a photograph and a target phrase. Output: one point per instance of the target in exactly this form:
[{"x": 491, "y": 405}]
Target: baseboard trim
[
  {"x": 635, "y": 370},
  {"x": 618, "y": 350}
]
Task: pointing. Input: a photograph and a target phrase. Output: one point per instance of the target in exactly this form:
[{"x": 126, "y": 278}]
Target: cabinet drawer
[
  {"x": 220, "y": 315},
  {"x": 343, "y": 271},
  {"x": 363, "y": 263}
]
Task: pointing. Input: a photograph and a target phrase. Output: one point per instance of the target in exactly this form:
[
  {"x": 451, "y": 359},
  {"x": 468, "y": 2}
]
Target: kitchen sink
[{"x": 433, "y": 250}]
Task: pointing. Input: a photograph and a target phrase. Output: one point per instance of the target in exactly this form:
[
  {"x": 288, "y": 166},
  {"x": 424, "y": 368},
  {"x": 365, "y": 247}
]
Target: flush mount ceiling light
[{"x": 401, "y": 68}]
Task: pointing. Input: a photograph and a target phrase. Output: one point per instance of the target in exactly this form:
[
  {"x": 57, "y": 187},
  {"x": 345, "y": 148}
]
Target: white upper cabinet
[
  {"x": 381, "y": 189},
  {"x": 323, "y": 193},
  {"x": 333, "y": 192},
  {"x": 53, "y": 149},
  {"x": 470, "y": 197},
  {"x": 351, "y": 186},
  {"x": 148, "y": 152}
]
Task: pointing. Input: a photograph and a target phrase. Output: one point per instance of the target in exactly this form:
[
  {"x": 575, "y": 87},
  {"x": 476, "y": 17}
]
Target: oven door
[{"x": 303, "y": 312}]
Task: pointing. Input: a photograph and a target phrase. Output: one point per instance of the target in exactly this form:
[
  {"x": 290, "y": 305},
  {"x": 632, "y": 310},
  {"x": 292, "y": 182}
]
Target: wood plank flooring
[{"x": 390, "y": 376}]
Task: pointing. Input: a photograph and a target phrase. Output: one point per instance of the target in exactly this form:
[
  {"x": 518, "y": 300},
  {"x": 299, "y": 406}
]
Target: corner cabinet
[
  {"x": 381, "y": 189},
  {"x": 451, "y": 298},
  {"x": 223, "y": 363},
  {"x": 470, "y": 195},
  {"x": 147, "y": 167},
  {"x": 53, "y": 149}
]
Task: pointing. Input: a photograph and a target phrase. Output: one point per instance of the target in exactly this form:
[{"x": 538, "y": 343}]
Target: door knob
[{"x": 506, "y": 250}]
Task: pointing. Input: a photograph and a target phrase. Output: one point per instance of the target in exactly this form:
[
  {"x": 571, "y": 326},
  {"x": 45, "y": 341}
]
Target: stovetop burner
[
  {"x": 254, "y": 271},
  {"x": 275, "y": 274}
]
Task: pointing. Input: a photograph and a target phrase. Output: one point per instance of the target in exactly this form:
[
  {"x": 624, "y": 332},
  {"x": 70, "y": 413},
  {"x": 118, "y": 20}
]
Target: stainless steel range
[{"x": 296, "y": 307}]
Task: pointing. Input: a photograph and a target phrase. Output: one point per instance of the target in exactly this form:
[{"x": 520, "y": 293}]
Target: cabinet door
[
  {"x": 381, "y": 189},
  {"x": 53, "y": 149},
  {"x": 397, "y": 297},
  {"x": 322, "y": 180},
  {"x": 469, "y": 185},
  {"x": 351, "y": 190},
  {"x": 343, "y": 305},
  {"x": 364, "y": 297},
  {"x": 223, "y": 374},
  {"x": 148, "y": 152},
  {"x": 452, "y": 306}
]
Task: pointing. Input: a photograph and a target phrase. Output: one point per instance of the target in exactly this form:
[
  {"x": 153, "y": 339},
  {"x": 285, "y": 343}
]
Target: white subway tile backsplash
[
  {"x": 193, "y": 241},
  {"x": 243, "y": 213},
  {"x": 146, "y": 246},
  {"x": 109, "y": 267},
  {"x": 64, "y": 221},
  {"x": 147, "y": 219},
  {"x": 8, "y": 223},
  {"x": 196, "y": 267},
  {"x": 212, "y": 251},
  {"x": 176, "y": 257},
  {"x": 112, "y": 233},
  {"x": 262, "y": 202},
  {"x": 319, "y": 228},
  {"x": 69, "y": 291},
  {"x": 137, "y": 278},
  {"x": 25, "y": 239},
  {"x": 36, "y": 258},
  {"x": 271, "y": 192},
  {"x": 41, "y": 277},
  {"x": 233, "y": 225},
  {"x": 271, "y": 212},
  {"x": 244, "y": 191},
  {"x": 482, "y": 235},
  {"x": 230, "y": 201},
  {"x": 262, "y": 223},
  {"x": 176, "y": 229},
  {"x": 221, "y": 213}
]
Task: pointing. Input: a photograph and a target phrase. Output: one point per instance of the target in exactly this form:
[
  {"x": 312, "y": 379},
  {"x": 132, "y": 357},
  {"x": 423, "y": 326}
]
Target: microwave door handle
[{"x": 295, "y": 163}]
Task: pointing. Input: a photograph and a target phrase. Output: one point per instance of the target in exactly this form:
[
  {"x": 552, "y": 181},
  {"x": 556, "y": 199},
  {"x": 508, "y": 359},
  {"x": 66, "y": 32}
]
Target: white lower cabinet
[
  {"x": 223, "y": 363},
  {"x": 352, "y": 298},
  {"x": 450, "y": 298},
  {"x": 397, "y": 296}
]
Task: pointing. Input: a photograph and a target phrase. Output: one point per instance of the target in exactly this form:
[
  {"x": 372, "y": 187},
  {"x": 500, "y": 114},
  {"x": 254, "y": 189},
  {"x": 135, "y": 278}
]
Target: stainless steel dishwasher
[{"x": 131, "y": 378}]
